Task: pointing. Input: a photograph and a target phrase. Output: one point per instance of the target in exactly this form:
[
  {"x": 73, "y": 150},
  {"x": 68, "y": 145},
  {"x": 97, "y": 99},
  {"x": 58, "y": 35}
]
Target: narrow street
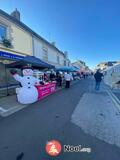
[{"x": 28, "y": 130}]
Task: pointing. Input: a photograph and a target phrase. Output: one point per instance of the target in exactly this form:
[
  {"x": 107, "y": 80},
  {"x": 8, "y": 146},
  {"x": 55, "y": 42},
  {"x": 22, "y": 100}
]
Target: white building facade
[
  {"x": 79, "y": 64},
  {"x": 26, "y": 42},
  {"x": 23, "y": 41},
  {"x": 49, "y": 53}
]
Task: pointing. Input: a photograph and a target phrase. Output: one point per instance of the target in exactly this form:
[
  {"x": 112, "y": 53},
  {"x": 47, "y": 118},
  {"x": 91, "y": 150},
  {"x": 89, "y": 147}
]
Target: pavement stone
[{"x": 117, "y": 94}]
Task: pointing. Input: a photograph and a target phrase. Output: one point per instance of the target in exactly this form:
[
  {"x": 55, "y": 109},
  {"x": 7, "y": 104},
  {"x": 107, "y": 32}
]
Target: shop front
[
  {"x": 35, "y": 83},
  {"x": 7, "y": 82}
]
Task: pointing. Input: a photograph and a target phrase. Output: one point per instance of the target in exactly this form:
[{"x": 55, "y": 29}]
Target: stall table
[{"x": 46, "y": 89}]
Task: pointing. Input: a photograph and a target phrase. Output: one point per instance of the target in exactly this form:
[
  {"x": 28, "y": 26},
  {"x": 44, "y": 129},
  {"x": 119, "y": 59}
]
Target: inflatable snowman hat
[
  {"x": 27, "y": 71},
  {"x": 28, "y": 93}
]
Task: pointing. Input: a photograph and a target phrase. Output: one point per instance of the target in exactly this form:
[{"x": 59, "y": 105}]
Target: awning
[
  {"x": 68, "y": 69},
  {"x": 30, "y": 60}
]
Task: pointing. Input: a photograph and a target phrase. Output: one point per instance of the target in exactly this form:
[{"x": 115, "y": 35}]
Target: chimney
[
  {"x": 16, "y": 14},
  {"x": 66, "y": 54},
  {"x": 53, "y": 43}
]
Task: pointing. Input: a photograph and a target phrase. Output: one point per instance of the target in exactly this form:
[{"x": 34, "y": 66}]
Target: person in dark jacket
[
  {"x": 52, "y": 76},
  {"x": 59, "y": 80},
  {"x": 98, "y": 78}
]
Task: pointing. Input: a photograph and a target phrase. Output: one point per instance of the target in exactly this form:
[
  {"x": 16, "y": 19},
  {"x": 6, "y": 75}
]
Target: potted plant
[{"x": 6, "y": 42}]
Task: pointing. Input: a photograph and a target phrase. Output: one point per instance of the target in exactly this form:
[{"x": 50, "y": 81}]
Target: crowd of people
[
  {"x": 62, "y": 78},
  {"x": 29, "y": 90},
  {"x": 65, "y": 78},
  {"x": 59, "y": 77}
]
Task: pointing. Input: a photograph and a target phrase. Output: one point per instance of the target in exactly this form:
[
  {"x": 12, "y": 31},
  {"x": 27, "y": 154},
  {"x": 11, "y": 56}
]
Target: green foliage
[{"x": 6, "y": 43}]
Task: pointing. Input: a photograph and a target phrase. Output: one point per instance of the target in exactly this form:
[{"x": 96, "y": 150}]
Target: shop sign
[{"x": 10, "y": 56}]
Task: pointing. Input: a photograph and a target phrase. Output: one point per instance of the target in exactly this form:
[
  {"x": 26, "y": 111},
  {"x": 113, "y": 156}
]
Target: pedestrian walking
[
  {"x": 59, "y": 79},
  {"x": 84, "y": 75},
  {"x": 68, "y": 78},
  {"x": 98, "y": 78}
]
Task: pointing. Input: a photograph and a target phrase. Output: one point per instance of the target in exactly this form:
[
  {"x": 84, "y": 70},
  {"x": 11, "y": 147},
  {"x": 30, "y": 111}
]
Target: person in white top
[{"x": 68, "y": 78}]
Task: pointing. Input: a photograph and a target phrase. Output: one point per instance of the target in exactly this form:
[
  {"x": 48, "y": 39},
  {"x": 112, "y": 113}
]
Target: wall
[
  {"x": 38, "y": 46},
  {"x": 52, "y": 55},
  {"x": 61, "y": 59},
  {"x": 21, "y": 39}
]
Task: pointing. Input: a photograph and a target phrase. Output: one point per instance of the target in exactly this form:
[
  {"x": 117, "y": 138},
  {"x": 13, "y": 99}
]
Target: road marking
[
  {"x": 3, "y": 110},
  {"x": 114, "y": 98}
]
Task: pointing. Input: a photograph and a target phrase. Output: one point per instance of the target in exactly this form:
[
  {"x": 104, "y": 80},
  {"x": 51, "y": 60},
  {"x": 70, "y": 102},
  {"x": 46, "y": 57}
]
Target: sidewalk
[
  {"x": 97, "y": 115},
  {"x": 116, "y": 92},
  {"x": 9, "y": 104},
  {"x": 115, "y": 96}
]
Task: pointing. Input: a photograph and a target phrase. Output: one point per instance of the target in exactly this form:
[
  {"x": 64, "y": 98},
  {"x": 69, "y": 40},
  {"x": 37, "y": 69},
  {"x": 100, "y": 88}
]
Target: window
[
  {"x": 65, "y": 63},
  {"x": 58, "y": 59},
  {"x": 3, "y": 30},
  {"x": 45, "y": 54}
]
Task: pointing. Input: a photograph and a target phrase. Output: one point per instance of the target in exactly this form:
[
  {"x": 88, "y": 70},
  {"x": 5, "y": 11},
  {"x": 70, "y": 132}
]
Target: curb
[
  {"x": 114, "y": 98},
  {"x": 5, "y": 113}
]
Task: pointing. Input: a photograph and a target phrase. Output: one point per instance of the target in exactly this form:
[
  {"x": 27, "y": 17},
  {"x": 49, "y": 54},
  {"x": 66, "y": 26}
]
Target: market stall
[
  {"x": 112, "y": 76},
  {"x": 68, "y": 69},
  {"x": 32, "y": 88},
  {"x": 31, "y": 60},
  {"x": 74, "y": 71},
  {"x": 46, "y": 89}
]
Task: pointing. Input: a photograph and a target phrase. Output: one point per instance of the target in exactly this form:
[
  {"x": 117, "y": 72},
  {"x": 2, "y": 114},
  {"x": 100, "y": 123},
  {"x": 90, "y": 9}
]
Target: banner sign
[
  {"x": 10, "y": 55},
  {"x": 46, "y": 90}
]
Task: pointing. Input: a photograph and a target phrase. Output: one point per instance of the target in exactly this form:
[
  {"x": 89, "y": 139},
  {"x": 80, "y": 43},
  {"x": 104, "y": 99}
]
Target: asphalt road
[{"x": 28, "y": 130}]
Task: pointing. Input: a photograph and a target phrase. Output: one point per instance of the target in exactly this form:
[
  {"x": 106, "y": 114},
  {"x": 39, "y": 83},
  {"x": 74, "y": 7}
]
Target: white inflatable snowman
[{"x": 28, "y": 93}]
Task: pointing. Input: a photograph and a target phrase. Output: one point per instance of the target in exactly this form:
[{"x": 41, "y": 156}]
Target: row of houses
[
  {"x": 18, "y": 40},
  {"x": 105, "y": 65},
  {"x": 81, "y": 65}
]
